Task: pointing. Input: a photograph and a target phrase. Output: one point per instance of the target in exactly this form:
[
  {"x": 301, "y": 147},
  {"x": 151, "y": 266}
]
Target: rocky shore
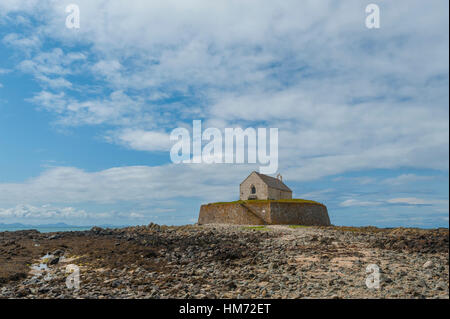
[{"x": 217, "y": 261}]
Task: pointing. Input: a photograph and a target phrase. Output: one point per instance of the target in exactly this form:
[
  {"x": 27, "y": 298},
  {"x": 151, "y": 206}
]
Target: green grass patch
[
  {"x": 298, "y": 226},
  {"x": 263, "y": 201},
  {"x": 256, "y": 228}
]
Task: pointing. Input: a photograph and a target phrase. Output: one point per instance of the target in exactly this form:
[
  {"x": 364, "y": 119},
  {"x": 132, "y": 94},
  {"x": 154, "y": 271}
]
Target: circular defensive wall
[{"x": 265, "y": 212}]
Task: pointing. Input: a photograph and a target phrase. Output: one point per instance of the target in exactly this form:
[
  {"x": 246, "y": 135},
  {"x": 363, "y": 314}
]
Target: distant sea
[
  {"x": 46, "y": 229},
  {"x": 49, "y": 228}
]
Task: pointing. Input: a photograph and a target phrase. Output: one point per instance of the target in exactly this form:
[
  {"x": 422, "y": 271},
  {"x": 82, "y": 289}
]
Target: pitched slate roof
[{"x": 274, "y": 182}]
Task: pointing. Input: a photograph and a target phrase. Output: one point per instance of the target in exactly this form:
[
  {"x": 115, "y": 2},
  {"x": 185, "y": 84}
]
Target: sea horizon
[
  {"x": 69, "y": 228},
  {"x": 46, "y": 229},
  {"x": 51, "y": 228}
]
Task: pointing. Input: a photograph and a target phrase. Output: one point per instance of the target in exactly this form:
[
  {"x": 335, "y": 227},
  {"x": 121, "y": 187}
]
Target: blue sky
[{"x": 85, "y": 114}]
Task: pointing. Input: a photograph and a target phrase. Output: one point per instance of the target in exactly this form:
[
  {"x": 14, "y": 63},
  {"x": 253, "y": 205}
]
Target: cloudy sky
[{"x": 85, "y": 114}]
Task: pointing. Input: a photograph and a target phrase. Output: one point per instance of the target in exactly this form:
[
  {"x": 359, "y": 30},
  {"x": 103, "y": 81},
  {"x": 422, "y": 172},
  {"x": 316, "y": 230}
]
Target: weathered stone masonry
[
  {"x": 260, "y": 186},
  {"x": 265, "y": 213}
]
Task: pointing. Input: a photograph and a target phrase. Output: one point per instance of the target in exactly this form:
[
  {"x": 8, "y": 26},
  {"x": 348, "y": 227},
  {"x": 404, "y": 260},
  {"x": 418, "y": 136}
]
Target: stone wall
[
  {"x": 279, "y": 194},
  {"x": 266, "y": 212},
  {"x": 261, "y": 188},
  {"x": 231, "y": 213},
  {"x": 298, "y": 214}
]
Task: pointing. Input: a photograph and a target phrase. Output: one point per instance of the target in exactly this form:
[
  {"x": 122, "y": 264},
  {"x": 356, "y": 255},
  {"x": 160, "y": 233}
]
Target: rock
[
  {"x": 96, "y": 230},
  {"x": 58, "y": 253},
  {"x": 231, "y": 285},
  {"x": 53, "y": 261},
  {"x": 441, "y": 286},
  {"x": 428, "y": 264},
  {"x": 154, "y": 227},
  {"x": 230, "y": 262},
  {"x": 23, "y": 291},
  {"x": 116, "y": 283},
  {"x": 43, "y": 290}
]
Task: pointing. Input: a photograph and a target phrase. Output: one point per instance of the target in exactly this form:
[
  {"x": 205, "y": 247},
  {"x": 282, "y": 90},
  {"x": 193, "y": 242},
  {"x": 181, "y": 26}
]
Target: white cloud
[
  {"x": 143, "y": 140},
  {"x": 132, "y": 183},
  {"x": 344, "y": 98},
  {"x": 364, "y": 180},
  {"x": 50, "y": 101},
  {"x": 50, "y": 68},
  {"x": 54, "y": 62},
  {"x": 399, "y": 201},
  {"x": 23, "y": 43},
  {"x": 408, "y": 201},
  {"x": 406, "y": 179},
  {"x": 55, "y": 83},
  {"x": 355, "y": 202},
  {"x": 118, "y": 109},
  {"x": 416, "y": 201},
  {"x": 8, "y": 6},
  {"x": 41, "y": 212},
  {"x": 318, "y": 195}
]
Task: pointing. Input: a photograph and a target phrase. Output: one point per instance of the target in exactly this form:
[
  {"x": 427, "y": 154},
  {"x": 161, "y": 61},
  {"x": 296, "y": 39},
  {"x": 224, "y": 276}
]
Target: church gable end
[{"x": 260, "y": 186}]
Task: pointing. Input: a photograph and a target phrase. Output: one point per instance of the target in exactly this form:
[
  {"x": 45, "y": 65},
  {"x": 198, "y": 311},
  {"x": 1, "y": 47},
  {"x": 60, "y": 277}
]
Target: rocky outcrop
[
  {"x": 265, "y": 213},
  {"x": 227, "y": 261}
]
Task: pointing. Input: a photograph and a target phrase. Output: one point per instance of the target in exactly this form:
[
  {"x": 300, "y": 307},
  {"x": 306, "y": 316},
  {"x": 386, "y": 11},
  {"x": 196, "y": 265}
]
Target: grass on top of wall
[{"x": 261, "y": 201}]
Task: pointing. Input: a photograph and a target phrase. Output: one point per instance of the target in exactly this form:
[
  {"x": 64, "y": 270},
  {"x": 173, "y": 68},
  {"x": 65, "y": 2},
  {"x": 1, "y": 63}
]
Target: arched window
[{"x": 253, "y": 189}]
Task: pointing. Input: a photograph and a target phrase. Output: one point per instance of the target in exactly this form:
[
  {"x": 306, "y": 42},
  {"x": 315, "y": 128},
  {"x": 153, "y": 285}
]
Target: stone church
[
  {"x": 276, "y": 206},
  {"x": 260, "y": 186}
]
